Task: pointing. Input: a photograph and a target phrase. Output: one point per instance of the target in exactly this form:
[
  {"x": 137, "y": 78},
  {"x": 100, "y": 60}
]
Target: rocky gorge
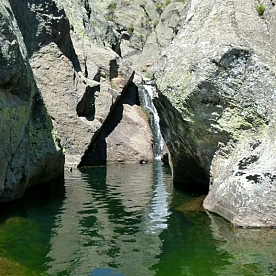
[{"x": 69, "y": 78}]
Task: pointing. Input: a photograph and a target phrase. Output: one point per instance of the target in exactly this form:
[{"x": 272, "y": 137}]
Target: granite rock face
[
  {"x": 144, "y": 28},
  {"x": 214, "y": 65},
  {"x": 88, "y": 21},
  {"x": 30, "y": 150},
  {"x": 61, "y": 77},
  {"x": 124, "y": 136},
  {"x": 217, "y": 89},
  {"x": 81, "y": 83}
]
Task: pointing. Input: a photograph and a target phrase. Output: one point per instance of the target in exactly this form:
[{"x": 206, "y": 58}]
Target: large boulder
[
  {"x": 80, "y": 80},
  {"x": 59, "y": 58},
  {"x": 217, "y": 106},
  {"x": 125, "y": 135},
  {"x": 30, "y": 150}
]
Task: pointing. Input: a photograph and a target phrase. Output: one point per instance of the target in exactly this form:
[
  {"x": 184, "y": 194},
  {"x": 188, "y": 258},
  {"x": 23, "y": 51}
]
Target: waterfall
[{"x": 147, "y": 92}]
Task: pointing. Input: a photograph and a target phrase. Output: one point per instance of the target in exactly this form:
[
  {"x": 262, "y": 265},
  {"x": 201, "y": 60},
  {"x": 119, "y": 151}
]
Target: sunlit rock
[{"x": 217, "y": 91}]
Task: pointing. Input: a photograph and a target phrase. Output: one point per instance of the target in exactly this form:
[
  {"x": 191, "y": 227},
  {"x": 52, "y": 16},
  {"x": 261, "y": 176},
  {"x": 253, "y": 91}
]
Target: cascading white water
[{"x": 147, "y": 92}]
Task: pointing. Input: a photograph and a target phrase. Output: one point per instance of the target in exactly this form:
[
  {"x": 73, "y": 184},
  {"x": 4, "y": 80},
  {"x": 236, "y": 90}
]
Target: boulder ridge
[{"x": 217, "y": 89}]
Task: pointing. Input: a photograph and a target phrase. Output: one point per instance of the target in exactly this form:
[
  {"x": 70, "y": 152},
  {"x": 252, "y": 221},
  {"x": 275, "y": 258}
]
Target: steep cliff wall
[
  {"x": 82, "y": 81},
  {"x": 144, "y": 27},
  {"x": 30, "y": 151},
  {"x": 216, "y": 82},
  {"x": 217, "y": 88},
  {"x": 61, "y": 77}
]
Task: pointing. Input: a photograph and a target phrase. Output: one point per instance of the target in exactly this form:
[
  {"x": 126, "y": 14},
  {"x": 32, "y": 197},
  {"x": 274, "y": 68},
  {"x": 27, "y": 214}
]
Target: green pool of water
[{"x": 125, "y": 220}]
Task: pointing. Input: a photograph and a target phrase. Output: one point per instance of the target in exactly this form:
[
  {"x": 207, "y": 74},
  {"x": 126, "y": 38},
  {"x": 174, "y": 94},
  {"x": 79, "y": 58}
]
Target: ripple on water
[{"x": 130, "y": 219}]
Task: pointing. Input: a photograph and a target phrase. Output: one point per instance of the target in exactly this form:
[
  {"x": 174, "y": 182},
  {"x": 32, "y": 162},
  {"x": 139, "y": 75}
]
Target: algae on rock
[
  {"x": 217, "y": 94},
  {"x": 30, "y": 154}
]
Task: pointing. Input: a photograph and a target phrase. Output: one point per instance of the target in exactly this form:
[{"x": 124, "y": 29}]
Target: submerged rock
[
  {"x": 194, "y": 205},
  {"x": 217, "y": 88},
  {"x": 10, "y": 267},
  {"x": 249, "y": 248}
]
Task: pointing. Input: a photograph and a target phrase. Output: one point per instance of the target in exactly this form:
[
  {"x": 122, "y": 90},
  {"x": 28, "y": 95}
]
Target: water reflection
[
  {"x": 25, "y": 229},
  {"x": 103, "y": 216},
  {"x": 252, "y": 251},
  {"x": 157, "y": 212},
  {"x": 128, "y": 220}
]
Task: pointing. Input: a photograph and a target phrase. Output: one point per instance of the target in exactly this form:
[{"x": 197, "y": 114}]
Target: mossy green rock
[
  {"x": 217, "y": 106},
  {"x": 15, "y": 237},
  {"x": 30, "y": 152}
]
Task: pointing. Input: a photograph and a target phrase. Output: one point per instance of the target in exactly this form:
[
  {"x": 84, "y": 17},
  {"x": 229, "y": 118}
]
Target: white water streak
[{"x": 147, "y": 93}]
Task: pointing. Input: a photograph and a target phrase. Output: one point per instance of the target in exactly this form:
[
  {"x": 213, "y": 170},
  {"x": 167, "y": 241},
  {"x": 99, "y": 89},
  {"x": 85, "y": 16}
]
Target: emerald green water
[{"x": 128, "y": 219}]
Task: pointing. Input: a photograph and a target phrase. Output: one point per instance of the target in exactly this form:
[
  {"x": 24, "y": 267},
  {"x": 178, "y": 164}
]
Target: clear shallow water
[{"x": 130, "y": 219}]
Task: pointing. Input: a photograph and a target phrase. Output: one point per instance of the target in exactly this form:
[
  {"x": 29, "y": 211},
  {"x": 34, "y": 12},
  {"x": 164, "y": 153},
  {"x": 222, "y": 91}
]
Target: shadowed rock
[{"x": 30, "y": 150}]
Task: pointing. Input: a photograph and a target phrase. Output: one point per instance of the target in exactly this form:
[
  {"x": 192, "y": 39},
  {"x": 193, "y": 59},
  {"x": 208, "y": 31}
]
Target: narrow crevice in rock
[
  {"x": 113, "y": 69},
  {"x": 88, "y": 8},
  {"x": 86, "y": 106}
]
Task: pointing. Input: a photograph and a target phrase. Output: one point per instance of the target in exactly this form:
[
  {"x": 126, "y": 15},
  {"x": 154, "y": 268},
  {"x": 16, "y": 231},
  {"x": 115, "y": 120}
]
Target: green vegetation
[
  {"x": 260, "y": 9},
  {"x": 149, "y": 75},
  {"x": 159, "y": 8},
  {"x": 131, "y": 29},
  {"x": 112, "y": 6},
  {"x": 109, "y": 18},
  {"x": 111, "y": 9}
]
